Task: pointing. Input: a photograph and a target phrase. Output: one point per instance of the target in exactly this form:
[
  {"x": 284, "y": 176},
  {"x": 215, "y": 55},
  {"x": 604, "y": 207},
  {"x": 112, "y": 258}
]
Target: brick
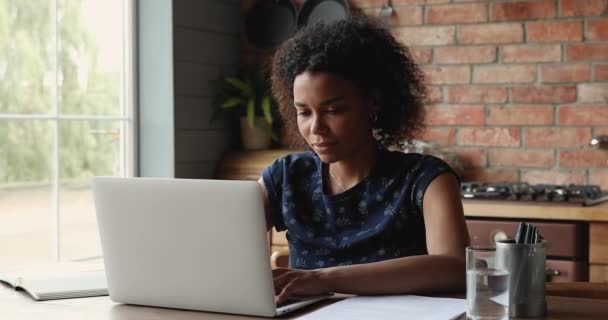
[
  {"x": 435, "y": 94},
  {"x": 457, "y": 13},
  {"x": 367, "y": 3},
  {"x": 455, "y": 115},
  {"x": 593, "y": 92},
  {"x": 601, "y": 72},
  {"x": 402, "y": 16},
  {"x": 425, "y": 36},
  {"x": 448, "y": 74},
  {"x": 504, "y": 74},
  {"x": 491, "y": 175},
  {"x": 554, "y": 31},
  {"x": 599, "y": 178},
  {"x": 554, "y": 176},
  {"x": 596, "y": 115},
  {"x": 587, "y": 51},
  {"x": 523, "y": 10},
  {"x": 441, "y": 136},
  {"x": 518, "y": 115},
  {"x": 491, "y": 33},
  {"x": 472, "y": 157},
  {"x": 470, "y": 55},
  {"x": 583, "y": 158},
  {"x": 475, "y": 94},
  {"x": 600, "y": 131},
  {"x": 556, "y": 137},
  {"x": 374, "y": 4},
  {"x": 571, "y": 8},
  {"x": 597, "y": 29},
  {"x": 565, "y": 73},
  {"x": 531, "y": 53},
  {"x": 422, "y": 55},
  {"x": 402, "y": 2},
  {"x": 544, "y": 94},
  {"x": 489, "y": 137},
  {"x": 522, "y": 158}
]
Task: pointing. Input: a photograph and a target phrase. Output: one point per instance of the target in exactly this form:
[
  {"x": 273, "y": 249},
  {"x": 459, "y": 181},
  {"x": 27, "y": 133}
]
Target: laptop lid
[{"x": 190, "y": 244}]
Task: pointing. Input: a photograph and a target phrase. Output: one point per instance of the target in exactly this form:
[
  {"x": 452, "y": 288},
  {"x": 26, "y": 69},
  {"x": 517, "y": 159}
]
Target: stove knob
[{"x": 499, "y": 235}]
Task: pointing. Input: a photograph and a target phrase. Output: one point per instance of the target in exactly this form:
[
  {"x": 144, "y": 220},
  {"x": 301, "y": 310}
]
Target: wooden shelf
[{"x": 248, "y": 165}]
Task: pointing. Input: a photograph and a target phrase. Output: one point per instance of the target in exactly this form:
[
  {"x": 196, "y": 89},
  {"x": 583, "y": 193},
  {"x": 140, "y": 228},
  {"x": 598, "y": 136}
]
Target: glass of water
[{"x": 487, "y": 286}]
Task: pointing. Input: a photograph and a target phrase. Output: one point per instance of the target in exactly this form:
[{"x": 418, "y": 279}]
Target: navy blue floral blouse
[{"x": 380, "y": 218}]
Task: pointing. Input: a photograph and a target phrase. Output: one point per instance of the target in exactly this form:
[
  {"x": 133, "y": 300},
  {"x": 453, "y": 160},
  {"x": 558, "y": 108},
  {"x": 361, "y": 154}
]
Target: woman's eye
[{"x": 302, "y": 113}]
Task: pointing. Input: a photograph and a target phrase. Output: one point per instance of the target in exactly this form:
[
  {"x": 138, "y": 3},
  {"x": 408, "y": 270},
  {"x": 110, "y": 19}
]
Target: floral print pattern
[{"x": 380, "y": 218}]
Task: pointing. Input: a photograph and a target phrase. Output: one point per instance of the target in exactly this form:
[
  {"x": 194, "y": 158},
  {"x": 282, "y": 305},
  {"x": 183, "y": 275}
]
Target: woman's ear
[
  {"x": 373, "y": 101},
  {"x": 375, "y": 107}
]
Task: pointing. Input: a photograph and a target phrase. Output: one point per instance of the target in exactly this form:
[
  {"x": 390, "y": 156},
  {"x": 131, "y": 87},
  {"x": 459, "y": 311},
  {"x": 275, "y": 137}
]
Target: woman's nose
[{"x": 318, "y": 125}]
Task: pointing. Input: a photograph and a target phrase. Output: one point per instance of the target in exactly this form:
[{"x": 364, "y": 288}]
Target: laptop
[{"x": 187, "y": 244}]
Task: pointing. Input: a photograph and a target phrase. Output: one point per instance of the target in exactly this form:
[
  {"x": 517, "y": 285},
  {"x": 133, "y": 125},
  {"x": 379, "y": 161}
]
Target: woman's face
[{"x": 333, "y": 117}]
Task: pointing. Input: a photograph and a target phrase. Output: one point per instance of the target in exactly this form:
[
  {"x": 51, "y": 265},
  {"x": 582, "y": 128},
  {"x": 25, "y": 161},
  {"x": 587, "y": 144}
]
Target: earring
[{"x": 374, "y": 117}]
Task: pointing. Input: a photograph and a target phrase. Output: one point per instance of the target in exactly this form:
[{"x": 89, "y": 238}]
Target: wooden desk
[{"x": 18, "y": 305}]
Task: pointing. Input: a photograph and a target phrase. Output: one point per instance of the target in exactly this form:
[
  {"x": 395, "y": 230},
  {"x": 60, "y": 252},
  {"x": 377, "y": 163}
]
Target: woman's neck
[{"x": 351, "y": 171}]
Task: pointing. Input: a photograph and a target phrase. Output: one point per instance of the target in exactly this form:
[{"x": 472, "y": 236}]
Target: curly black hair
[{"x": 362, "y": 50}]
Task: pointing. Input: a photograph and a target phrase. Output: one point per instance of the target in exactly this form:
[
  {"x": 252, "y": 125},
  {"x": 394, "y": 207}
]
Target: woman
[{"x": 360, "y": 219}]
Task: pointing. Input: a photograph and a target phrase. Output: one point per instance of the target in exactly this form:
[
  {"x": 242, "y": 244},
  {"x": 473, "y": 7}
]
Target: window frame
[{"x": 129, "y": 144}]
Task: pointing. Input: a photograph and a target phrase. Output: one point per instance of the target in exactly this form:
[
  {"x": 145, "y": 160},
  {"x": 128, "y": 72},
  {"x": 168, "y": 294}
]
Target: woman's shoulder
[
  {"x": 297, "y": 158},
  {"x": 415, "y": 161},
  {"x": 296, "y": 161}
]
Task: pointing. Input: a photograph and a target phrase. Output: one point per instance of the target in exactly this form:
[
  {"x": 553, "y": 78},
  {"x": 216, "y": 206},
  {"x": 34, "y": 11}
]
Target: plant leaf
[
  {"x": 232, "y": 102},
  {"x": 266, "y": 109},
  {"x": 251, "y": 112},
  {"x": 241, "y": 85},
  {"x": 267, "y": 128}
]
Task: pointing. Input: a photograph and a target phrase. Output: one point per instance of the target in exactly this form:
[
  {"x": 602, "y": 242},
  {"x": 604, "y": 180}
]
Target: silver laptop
[{"x": 188, "y": 244}]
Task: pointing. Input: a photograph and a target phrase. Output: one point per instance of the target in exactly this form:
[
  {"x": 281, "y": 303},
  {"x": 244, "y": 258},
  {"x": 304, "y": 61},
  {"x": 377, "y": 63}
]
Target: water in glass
[{"x": 490, "y": 297}]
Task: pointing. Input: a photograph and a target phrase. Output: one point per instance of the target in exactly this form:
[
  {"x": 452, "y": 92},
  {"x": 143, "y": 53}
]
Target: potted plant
[{"x": 248, "y": 95}]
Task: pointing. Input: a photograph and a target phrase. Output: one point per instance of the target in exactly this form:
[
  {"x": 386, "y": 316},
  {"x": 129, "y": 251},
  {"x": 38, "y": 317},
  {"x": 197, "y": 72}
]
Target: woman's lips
[{"x": 323, "y": 146}]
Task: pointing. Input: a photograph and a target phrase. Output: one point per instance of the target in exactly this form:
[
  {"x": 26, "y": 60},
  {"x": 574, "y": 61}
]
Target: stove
[{"x": 585, "y": 195}]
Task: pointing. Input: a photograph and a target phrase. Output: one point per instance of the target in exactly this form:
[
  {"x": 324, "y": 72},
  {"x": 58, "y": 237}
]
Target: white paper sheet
[{"x": 391, "y": 307}]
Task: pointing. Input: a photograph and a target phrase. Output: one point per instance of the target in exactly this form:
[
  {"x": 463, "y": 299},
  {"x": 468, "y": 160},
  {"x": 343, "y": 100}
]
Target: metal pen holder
[{"x": 526, "y": 263}]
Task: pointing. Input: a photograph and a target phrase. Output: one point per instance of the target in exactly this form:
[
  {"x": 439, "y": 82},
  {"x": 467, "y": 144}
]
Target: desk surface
[{"x": 18, "y": 305}]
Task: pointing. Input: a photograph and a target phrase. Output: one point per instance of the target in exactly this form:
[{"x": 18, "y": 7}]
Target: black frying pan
[
  {"x": 270, "y": 22},
  {"x": 322, "y": 11}
]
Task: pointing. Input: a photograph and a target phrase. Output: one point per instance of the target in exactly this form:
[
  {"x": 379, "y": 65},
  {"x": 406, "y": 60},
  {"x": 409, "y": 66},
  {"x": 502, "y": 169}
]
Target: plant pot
[{"x": 255, "y": 138}]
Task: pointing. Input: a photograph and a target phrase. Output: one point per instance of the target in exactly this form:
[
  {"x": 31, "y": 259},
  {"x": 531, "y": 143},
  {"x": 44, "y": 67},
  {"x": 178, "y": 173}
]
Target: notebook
[
  {"x": 392, "y": 308},
  {"x": 188, "y": 244},
  {"x": 58, "y": 280}
]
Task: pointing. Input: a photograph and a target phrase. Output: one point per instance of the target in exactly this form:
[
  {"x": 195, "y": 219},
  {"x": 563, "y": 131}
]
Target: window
[{"x": 66, "y": 115}]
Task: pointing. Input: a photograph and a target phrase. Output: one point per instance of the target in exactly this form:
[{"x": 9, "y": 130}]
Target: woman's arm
[{"x": 443, "y": 269}]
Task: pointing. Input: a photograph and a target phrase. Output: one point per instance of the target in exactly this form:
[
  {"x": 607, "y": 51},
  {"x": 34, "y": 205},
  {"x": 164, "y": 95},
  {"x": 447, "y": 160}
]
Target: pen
[
  {"x": 528, "y": 234},
  {"x": 520, "y": 232},
  {"x": 532, "y": 232}
]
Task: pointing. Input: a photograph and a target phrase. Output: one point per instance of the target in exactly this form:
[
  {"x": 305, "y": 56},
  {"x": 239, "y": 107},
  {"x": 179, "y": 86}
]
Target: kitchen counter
[{"x": 535, "y": 210}]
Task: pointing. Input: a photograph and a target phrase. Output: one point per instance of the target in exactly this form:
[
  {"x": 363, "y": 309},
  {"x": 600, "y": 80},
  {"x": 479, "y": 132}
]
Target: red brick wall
[{"x": 519, "y": 87}]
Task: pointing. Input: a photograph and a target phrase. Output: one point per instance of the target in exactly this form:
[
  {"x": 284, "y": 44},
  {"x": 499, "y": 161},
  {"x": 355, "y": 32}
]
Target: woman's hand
[{"x": 297, "y": 283}]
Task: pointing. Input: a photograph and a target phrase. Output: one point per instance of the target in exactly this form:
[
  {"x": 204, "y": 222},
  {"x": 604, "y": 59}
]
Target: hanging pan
[
  {"x": 270, "y": 22},
  {"x": 326, "y": 11}
]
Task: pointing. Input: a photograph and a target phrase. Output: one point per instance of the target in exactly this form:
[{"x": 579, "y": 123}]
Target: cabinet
[
  {"x": 248, "y": 166},
  {"x": 598, "y": 252}
]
